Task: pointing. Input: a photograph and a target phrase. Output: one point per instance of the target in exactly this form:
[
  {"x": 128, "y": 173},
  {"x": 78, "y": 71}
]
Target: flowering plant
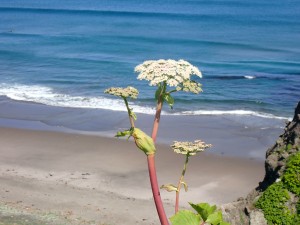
[
  {"x": 169, "y": 76},
  {"x": 188, "y": 149}
]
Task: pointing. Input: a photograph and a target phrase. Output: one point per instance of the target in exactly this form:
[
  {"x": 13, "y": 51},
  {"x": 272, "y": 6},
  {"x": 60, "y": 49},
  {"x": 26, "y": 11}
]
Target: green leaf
[
  {"x": 214, "y": 218},
  {"x": 169, "y": 99},
  {"x": 204, "y": 209},
  {"x": 185, "y": 217},
  {"x": 132, "y": 114},
  {"x": 123, "y": 133},
  {"x": 158, "y": 92},
  {"x": 224, "y": 223}
]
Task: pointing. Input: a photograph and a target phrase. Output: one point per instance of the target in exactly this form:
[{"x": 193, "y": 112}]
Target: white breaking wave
[
  {"x": 234, "y": 112},
  {"x": 250, "y": 77},
  {"x": 47, "y": 96}
]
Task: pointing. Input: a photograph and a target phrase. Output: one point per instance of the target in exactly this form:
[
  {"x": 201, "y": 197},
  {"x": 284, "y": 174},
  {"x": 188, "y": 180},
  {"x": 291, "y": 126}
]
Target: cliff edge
[{"x": 276, "y": 199}]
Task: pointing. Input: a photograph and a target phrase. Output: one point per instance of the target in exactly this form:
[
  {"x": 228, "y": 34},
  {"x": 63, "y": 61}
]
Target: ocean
[{"x": 63, "y": 54}]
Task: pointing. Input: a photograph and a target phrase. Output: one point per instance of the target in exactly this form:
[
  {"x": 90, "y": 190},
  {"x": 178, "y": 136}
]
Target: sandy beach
[{"x": 88, "y": 179}]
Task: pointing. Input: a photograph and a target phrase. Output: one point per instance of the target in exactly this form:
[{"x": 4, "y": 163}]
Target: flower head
[
  {"x": 190, "y": 148},
  {"x": 174, "y": 73},
  {"x": 130, "y": 92}
]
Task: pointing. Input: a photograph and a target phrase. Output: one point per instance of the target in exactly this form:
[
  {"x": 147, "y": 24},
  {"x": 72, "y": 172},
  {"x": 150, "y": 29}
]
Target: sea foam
[
  {"x": 234, "y": 112},
  {"x": 48, "y": 96}
]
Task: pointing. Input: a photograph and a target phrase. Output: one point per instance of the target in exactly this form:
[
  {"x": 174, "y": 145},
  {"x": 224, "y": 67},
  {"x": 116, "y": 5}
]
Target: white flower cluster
[
  {"x": 130, "y": 92},
  {"x": 170, "y": 71},
  {"x": 190, "y": 148}
]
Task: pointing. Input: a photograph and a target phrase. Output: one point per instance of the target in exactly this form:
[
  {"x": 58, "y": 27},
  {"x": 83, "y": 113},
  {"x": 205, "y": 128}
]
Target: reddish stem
[
  {"x": 152, "y": 169},
  {"x": 159, "y": 105},
  {"x": 177, "y": 202},
  {"x": 155, "y": 190},
  {"x": 156, "y": 120}
]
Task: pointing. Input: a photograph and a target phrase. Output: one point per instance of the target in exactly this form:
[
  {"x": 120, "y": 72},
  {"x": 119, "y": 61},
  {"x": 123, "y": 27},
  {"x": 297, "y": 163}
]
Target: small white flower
[
  {"x": 172, "y": 82},
  {"x": 178, "y": 78}
]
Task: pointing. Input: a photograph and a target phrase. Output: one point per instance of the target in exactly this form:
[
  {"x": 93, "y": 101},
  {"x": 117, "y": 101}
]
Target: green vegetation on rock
[
  {"x": 274, "y": 200},
  {"x": 289, "y": 147},
  {"x": 291, "y": 176}
]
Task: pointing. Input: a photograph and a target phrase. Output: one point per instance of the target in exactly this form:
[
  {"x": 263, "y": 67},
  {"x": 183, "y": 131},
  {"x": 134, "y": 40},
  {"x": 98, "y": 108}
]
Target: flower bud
[
  {"x": 143, "y": 141},
  {"x": 169, "y": 187}
]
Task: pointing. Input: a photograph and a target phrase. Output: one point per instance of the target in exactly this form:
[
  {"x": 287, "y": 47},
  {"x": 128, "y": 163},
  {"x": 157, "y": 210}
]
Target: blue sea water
[{"x": 66, "y": 53}]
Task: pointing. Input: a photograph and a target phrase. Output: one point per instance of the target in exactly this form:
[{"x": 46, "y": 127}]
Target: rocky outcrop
[
  {"x": 286, "y": 145},
  {"x": 244, "y": 211}
]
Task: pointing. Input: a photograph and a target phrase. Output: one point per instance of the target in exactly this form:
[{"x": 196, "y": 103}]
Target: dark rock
[{"x": 297, "y": 113}]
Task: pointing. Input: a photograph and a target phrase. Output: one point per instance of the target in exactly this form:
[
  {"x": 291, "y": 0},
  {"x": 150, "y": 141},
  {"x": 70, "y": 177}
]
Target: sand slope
[{"x": 96, "y": 180}]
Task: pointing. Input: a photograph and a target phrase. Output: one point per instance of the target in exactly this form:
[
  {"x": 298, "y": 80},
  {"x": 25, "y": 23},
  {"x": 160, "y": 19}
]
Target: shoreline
[
  {"x": 239, "y": 136},
  {"x": 59, "y": 172}
]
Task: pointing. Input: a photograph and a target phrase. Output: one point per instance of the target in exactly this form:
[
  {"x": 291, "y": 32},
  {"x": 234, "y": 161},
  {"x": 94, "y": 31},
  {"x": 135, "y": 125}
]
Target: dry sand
[{"x": 84, "y": 179}]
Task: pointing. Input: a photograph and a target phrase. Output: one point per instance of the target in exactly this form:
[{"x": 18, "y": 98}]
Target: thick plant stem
[
  {"x": 158, "y": 112},
  {"x": 155, "y": 190},
  {"x": 151, "y": 165},
  {"x": 156, "y": 120},
  {"x": 180, "y": 183}
]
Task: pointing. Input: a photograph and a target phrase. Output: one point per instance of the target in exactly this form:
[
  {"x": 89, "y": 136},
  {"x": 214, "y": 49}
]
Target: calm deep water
[{"x": 66, "y": 53}]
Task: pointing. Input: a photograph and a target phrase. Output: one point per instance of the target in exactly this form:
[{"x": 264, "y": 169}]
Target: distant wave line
[
  {"x": 170, "y": 15},
  {"x": 231, "y": 77},
  {"x": 249, "y": 77},
  {"x": 169, "y": 40},
  {"x": 102, "y": 12},
  {"x": 234, "y": 112}
]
